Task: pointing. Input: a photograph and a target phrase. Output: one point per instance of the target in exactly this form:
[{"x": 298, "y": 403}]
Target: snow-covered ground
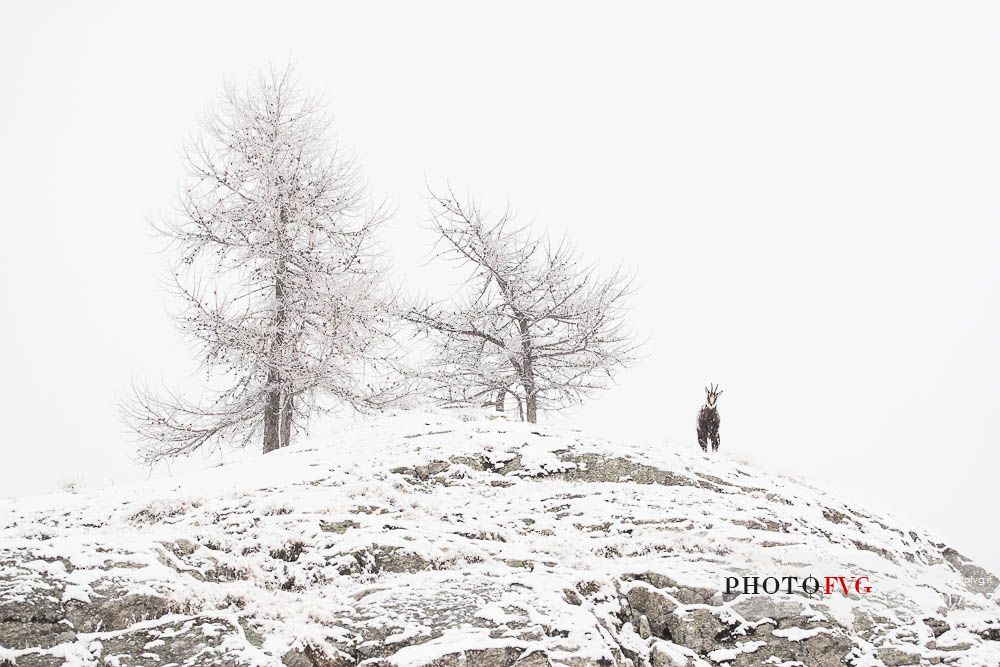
[{"x": 447, "y": 537}]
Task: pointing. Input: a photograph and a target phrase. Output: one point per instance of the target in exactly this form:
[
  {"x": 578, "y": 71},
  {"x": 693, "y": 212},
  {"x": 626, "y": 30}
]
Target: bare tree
[
  {"x": 278, "y": 272},
  {"x": 535, "y": 323}
]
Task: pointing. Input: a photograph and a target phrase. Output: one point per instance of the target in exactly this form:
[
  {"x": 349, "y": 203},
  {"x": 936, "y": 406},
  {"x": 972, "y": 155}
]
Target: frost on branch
[
  {"x": 279, "y": 276},
  {"x": 535, "y": 323}
]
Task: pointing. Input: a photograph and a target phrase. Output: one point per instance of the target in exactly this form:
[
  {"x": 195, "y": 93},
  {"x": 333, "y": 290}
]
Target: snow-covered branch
[{"x": 535, "y": 323}]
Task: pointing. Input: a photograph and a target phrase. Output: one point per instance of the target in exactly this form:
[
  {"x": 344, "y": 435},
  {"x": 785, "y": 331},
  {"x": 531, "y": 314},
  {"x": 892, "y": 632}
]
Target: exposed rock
[
  {"x": 784, "y": 610},
  {"x": 487, "y": 657},
  {"x": 339, "y": 527},
  {"x": 896, "y": 657},
  {"x": 181, "y": 548},
  {"x": 697, "y": 628},
  {"x": 34, "y": 622},
  {"x": 884, "y": 553},
  {"x": 117, "y": 611},
  {"x": 18, "y": 635},
  {"x": 823, "y": 648},
  {"x": 533, "y": 659},
  {"x": 938, "y": 626},
  {"x": 644, "y": 630},
  {"x": 834, "y": 516},
  {"x": 377, "y": 558},
  {"x": 668, "y": 654},
  {"x": 34, "y": 660},
  {"x": 869, "y": 625},
  {"x": 599, "y": 468},
  {"x": 289, "y": 552},
  {"x": 423, "y": 472},
  {"x": 764, "y": 524},
  {"x": 976, "y": 579},
  {"x": 195, "y": 643},
  {"x": 313, "y": 656},
  {"x": 572, "y": 597},
  {"x": 655, "y": 605},
  {"x": 683, "y": 594}
]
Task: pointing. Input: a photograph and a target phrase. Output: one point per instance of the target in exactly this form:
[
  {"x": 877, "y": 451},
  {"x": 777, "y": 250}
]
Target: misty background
[{"x": 806, "y": 192}]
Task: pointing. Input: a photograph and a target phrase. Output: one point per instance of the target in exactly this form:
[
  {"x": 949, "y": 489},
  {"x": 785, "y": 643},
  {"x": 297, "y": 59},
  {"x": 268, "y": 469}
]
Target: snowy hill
[{"x": 456, "y": 539}]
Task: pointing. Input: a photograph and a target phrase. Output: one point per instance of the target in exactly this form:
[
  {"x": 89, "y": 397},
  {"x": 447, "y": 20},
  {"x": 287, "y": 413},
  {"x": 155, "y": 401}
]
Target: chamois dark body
[{"x": 708, "y": 420}]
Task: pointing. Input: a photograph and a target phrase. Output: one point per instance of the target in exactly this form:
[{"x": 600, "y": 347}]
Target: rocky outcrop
[{"x": 438, "y": 540}]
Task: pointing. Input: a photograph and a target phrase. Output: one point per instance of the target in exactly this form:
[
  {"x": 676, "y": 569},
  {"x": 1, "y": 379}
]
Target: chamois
[{"x": 708, "y": 419}]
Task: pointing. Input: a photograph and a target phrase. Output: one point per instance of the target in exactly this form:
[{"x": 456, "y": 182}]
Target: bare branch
[{"x": 535, "y": 322}]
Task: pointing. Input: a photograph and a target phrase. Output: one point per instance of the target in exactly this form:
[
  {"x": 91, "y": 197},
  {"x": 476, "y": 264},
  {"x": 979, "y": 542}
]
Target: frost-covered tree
[
  {"x": 534, "y": 323},
  {"x": 278, "y": 273}
]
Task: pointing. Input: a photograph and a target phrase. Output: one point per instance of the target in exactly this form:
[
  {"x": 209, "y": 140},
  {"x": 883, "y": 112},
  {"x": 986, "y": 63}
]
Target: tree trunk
[
  {"x": 501, "y": 395},
  {"x": 286, "y": 419},
  {"x": 528, "y": 372},
  {"x": 273, "y": 426},
  {"x": 272, "y": 413},
  {"x": 532, "y": 406}
]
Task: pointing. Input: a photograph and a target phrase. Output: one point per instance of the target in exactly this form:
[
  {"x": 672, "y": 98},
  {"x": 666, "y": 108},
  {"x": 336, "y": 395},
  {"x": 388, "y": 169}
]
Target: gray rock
[
  {"x": 783, "y": 609},
  {"x": 423, "y": 472},
  {"x": 39, "y": 607},
  {"x": 378, "y": 558},
  {"x": 116, "y": 612},
  {"x": 697, "y": 628},
  {"x": 533, "y": 659},
  {"x": 897, "y": 657},
  {"x": 35, "y": 622},
  {"x": 977, "y": 579},
  {"x": 597, "y": 468},
  {"x": 18, "y": 635},
  {"x": 314, "y": 656},
  {"x": 644, "y": 630},
  {"x": 938, "y": 626},
  {"x": 825, "y": 649},
  {"x": 35, "y": 660},
  {"x": 683, "y": 594},
  {"x": 652, "y": 603},
  {"x": 196, "y": 642},
  {"x": 486, "y": 657},
  {"x": 338, "y": 527},
  {"x": 884, "y": 553},
  {"x": 665, "y": 655},
  {"x": 870, "y": 625}
]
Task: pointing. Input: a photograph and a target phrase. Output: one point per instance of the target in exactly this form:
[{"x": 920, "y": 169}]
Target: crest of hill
[{"x": 447, "y": 538}]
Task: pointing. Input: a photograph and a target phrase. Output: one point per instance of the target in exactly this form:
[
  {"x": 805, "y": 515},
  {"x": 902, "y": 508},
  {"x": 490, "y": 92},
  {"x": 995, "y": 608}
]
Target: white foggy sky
[{"x": 807, "y": 192}]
